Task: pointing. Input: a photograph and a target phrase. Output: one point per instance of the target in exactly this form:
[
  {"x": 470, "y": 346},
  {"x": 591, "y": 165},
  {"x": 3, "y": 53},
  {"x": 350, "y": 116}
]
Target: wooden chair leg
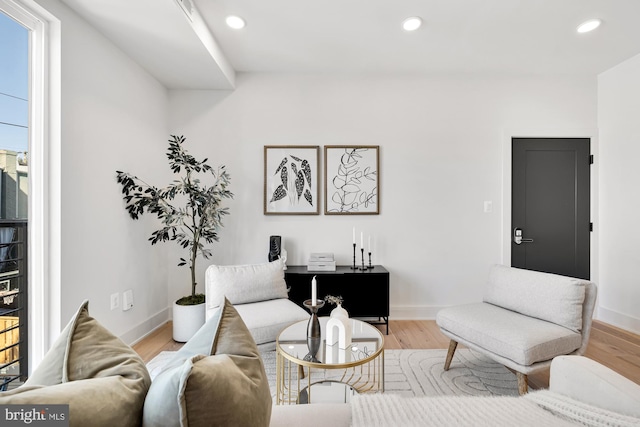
[
  {"x": 523, "y": 383},
  {"x": 452, "y": 349}
]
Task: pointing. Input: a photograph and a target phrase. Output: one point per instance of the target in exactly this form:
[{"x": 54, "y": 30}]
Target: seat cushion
[
  {"x": 522, "y": 339},
  {"x": 267, "y": 319},
  {"x": 550, "y": 297}
]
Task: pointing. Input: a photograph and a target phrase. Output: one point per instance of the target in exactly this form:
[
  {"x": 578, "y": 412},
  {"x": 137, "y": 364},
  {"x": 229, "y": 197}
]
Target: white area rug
[{"x": 419, "y": 373}]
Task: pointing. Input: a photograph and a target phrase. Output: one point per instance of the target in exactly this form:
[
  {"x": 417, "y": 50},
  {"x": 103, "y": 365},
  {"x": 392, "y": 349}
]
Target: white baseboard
[
  {"x": 143, "y": 329},
  {"x": 410, "y": 312},
  {"x": 620, "y": 320}
]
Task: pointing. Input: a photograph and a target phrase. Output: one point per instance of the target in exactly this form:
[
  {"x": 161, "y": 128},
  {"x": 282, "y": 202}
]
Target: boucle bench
[{"x": 525, "y": 320}]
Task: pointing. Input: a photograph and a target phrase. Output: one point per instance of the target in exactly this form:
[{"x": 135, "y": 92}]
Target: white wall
[
  {"x": 618, "y": 108},
  {"x": 114, "y": 117},
  {"x": 441, "y": 157}
]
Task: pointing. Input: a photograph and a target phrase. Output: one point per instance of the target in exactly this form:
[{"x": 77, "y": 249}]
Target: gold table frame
[{"x": 293, "y": 374}]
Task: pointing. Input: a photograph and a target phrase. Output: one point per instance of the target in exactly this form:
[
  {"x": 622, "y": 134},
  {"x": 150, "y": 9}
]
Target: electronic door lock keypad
[{"x": 517, "y": 237}]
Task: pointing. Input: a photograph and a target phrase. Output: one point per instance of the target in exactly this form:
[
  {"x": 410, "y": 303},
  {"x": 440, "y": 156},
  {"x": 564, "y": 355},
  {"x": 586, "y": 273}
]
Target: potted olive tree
[{"x": 191, "y": 214}]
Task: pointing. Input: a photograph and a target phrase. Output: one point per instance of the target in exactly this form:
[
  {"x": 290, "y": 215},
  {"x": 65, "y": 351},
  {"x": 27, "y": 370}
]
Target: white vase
[
  {"x": 338, "y": 330},
  {"x": 187, "y": 319},
  {"x": 339, "y": 311}
]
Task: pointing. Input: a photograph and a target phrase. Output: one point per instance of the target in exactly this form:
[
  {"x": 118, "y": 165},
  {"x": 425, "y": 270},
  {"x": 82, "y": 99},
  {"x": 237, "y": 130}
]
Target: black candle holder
[
  {"x": 370, "y": 266},
  {"x": 354, "y": 258},
  {"x": 363, "y": 268},
  {"x": 313, "y": 330}
]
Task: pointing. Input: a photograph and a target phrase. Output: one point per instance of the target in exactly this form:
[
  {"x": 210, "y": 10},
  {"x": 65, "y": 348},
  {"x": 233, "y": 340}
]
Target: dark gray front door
[{"x": 550, "y": 201}]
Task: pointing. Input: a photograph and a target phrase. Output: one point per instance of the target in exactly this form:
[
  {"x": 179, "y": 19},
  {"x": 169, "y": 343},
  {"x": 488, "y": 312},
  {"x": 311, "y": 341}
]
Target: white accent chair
[
  {"x": 259, "y": 294},
  {"x": 525, "y": 320}
]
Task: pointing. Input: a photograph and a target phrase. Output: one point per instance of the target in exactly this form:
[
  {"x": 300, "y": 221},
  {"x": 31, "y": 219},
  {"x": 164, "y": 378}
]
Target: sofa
[
  {"x": 216, "y": 379},
  {"x": 525, "y": 320},
  {"x": 103, "y": 380}
]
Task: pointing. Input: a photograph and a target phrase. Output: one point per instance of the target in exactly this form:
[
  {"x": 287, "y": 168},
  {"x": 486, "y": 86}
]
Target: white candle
[
  {"x": 361, "y": 240},
  {"x": 354, "y": 235},
  {"x": 314, "y": 291},
  {"x": 369, "y": 243}
]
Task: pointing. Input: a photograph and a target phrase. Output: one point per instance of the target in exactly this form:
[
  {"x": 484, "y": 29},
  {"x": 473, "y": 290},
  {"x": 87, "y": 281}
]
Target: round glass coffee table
[{"x": 337, "y": 373}]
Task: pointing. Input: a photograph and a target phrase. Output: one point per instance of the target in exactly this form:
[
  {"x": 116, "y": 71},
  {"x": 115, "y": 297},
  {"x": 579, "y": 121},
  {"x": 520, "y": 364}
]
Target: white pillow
[
  {"x": 242, "y": 284},
  {"x": 550, "y": 297}
]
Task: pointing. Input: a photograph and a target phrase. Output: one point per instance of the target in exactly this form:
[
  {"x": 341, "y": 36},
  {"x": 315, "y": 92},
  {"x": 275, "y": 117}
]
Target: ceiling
[{"x": 504, "y": 37}]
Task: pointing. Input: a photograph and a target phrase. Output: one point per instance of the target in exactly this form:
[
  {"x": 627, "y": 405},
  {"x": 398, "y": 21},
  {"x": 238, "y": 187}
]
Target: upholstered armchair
[{"x": 259, "y": 294}]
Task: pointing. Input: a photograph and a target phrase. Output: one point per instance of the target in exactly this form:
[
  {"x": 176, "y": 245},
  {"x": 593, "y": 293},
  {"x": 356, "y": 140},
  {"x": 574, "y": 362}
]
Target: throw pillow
[
  {"x": 243, "y": 284},
  {"x": 102, "y": 379},
  {"x": 227, "y": 388}
]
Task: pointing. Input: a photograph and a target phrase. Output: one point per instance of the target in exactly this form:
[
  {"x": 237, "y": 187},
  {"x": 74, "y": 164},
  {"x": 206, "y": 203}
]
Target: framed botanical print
[
  {"x": 291, "y": 179},
  {"x": 352, "y": 176}
]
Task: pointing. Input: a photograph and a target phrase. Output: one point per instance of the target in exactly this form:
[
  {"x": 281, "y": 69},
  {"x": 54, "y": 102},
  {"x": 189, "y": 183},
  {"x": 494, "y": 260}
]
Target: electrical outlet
[{"x": 115, "y": 301}]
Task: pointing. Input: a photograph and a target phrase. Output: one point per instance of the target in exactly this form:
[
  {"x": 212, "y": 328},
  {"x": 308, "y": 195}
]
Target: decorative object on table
[
  {"x": 274, "y": 247},
  {"x": 351, "y": 180},
  {"x": 291, "y": 180},
  {"x": 370, "y": 266},
  {"x": 313, "y": 330},
  {"x": 353, "y": 267},
  {"x": 338, "y": 326},
  {"x": 313, "y": 327},
  {"x": 337, "y": 301},
  {"x": 321, "y": 261},
  {"x": 338, "y": 332},
  {"x": 277, "y": 250},
  {"x": 362, "y": 268},
  {"x": 191, "y": 222}
]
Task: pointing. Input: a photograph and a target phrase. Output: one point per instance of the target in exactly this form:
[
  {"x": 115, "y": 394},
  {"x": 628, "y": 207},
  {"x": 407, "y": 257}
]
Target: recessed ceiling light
[
  {"x": 235, "y": 22},
  {"x": 412, "y": 24},
  {"x": 589, "y": 25}
]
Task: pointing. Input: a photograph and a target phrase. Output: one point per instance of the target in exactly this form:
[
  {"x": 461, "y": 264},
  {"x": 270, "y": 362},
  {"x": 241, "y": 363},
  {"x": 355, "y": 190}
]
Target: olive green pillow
[
  {"x": 225, "y": 387},
  {"x": 101, "y": 378}
]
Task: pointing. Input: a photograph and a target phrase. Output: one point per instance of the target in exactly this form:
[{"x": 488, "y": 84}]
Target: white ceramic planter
[{"x": 187, "y": 319}]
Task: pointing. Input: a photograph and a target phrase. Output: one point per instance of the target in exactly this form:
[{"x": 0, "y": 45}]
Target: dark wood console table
[{"x": 365, "y": 293}]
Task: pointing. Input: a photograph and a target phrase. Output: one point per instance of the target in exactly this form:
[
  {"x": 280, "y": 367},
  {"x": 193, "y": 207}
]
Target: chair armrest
[{"x": 588, "y": 381}]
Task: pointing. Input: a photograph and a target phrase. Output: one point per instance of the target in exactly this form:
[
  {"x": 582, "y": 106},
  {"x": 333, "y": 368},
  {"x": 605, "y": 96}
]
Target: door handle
[{"x": 517, "y": 237}]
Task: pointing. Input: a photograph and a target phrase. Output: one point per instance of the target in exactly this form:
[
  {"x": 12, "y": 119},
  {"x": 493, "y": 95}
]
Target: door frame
[{"x": 507, "y": 136}]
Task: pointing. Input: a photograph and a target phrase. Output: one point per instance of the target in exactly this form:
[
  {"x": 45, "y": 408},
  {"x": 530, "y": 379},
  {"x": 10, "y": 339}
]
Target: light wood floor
[{"x": 611, "y": 346}]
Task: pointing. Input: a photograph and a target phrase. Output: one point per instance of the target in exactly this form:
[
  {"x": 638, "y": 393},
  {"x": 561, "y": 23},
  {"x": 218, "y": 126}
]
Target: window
[
  {"x": 34, "y": 196},
  {"x": 14, "y": 191}
]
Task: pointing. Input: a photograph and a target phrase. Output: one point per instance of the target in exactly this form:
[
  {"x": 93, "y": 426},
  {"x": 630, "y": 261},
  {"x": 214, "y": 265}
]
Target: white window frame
[{"x": 44, "y": 224}]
